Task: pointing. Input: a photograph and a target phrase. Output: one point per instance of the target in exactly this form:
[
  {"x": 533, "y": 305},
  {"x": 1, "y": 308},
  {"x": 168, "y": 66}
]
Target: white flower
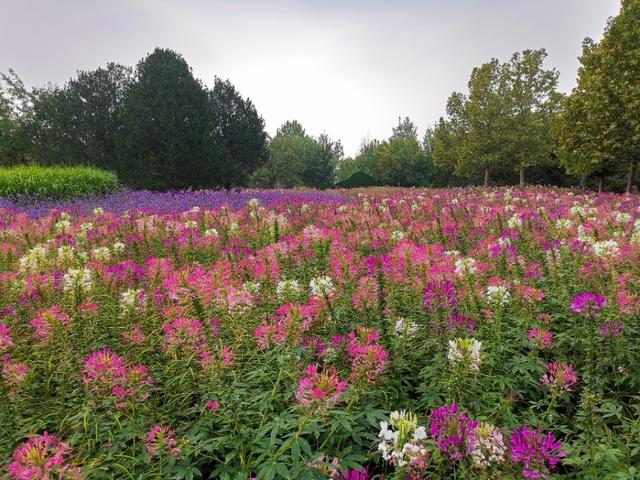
[
  {"x": 465, "y": 352},
  {"x": 211, "y": 232},
  {"x": 622, "y": 217},
  {"x": 118, "y": 248},
  {"x": 66, "y": 253},
  {"x": 102, "y": 254},
  {"x": 514, "y": 222},
  {"x": 404, "y": 326},
  {"x": 466, "y": 266},
  {"x": 62, "y": 226},
  {"x": 252, "y": 287},
  {"x": 190, "y": 224},
  {"x": 253, "y": 203},
  {"x": 563, "y": 224},
  {"x": 78, "y": 280},
  {"x": 397, "y": 235},
  {"x": 287, "y": 289},
  {"x": 131, "y": 299},
  {"x": 34, "y": 260},
  {"x": 498, "y": 295},
  {"x": 321, "y": 286},
  {"x": 98, "y": 211},
  {"x": 606, "y": 248}
]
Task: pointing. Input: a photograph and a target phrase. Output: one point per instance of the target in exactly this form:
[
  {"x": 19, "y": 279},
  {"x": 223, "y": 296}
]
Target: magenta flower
[
  {"x": 42, "y": 458},
  {"x": 560, "y": 377},
  {"x": 439, "y": 294},
  {"x": 588, "y": 304},
  {"x": 538, "y": 452},
  {"x": 453, "y": 431}
]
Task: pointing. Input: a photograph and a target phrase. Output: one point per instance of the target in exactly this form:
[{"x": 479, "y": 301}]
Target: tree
[
  {"x": 533, "y": 103},
  {"x": 167, "y": 140},
  {"x": 298, "y": 159},
  {"x": 96, "y": 100},
  {"x": 405, "y": 129},
  {"x": 241, "y": 131},
  {"x": 475, "y": 132},
  {"x": 599, "y": 128},
  {"x": 15, "y": 105}
]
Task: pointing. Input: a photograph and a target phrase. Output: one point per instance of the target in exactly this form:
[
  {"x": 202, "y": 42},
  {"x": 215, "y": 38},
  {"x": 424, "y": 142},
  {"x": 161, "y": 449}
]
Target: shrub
[{"x": 55, "y": 182}]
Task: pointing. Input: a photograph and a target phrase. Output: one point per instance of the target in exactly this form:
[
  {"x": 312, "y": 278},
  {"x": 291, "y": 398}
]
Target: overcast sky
[{"x": 348, "y": 68}]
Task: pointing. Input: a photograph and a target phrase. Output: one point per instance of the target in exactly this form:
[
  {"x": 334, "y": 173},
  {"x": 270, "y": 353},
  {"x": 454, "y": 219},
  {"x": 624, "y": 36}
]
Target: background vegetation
[
  {"x": 55, "y": 182},
  {"x": 158, "y": 127}
]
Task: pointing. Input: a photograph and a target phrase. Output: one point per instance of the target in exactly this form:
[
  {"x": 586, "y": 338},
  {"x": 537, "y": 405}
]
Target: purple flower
[
  {"x": 537, "y": 451},
  {"x": 439, "y": 294},
  {"x": 610, "y": 329},
  {"x": 588, "y": 304},
  {"x": 453, "y": 431}
]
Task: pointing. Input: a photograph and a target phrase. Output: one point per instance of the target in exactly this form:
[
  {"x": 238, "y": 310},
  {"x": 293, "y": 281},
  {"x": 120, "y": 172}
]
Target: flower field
[{"x": 383, "y": 333}]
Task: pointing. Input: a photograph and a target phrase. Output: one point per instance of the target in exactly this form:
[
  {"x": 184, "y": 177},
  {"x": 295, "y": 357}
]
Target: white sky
[{"x": 348, "y": 68}]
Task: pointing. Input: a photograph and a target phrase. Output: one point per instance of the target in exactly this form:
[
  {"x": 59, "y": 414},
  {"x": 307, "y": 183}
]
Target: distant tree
[
  {"x": 321, "y": 169},
  {"x": 241, "y": 131},
  {"x": 475, "y": 131},
  {"x": 533, "y": 102},
  {"x": 599, "y": 127},
  {"x": 400, "y": 161},
  {"x": 298, "y": 159},
  {"x": 405, "y": 129},
  {"x": 15, "y": 107},
  {"x": 167, "y": 140},
  {"x": 95, "y": 104}
]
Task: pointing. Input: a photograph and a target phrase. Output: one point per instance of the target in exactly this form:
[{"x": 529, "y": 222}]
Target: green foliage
[
  {"x": 242, "y": 134},
  {"x": 599, "y": 129},
  {"x": 166, "y": 123},
  {"x": 55, "y": 182},
  {"x": 504, "y": 123},
  {"x": 298, "y": 159}
]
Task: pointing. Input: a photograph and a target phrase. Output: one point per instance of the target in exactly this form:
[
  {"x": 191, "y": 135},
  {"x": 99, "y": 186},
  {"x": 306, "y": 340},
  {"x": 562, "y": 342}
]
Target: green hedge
[{"x": 55, "y": 182}]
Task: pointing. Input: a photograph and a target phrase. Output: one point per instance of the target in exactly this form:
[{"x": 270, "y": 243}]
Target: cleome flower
[
  {"x": 320, "y": 388},
  {"x": 536, "y": 452},
  {"x": 465, "y": 353},
  {"x": 402, "y": 440},
  {"x": 560, "y": 377},
  {"x": 43, "y": 458}
]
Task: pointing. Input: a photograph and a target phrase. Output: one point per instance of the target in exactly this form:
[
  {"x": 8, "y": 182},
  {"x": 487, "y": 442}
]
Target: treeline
[{"x": 158, "y": 127}]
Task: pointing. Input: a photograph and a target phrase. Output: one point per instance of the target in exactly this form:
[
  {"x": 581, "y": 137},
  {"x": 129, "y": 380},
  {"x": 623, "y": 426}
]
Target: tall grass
[{"x": 55, "y": 182}]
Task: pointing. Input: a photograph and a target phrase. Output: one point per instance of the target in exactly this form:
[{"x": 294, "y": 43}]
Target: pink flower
[
  {"x": 212, "y": 406},
  {"x": 42, "y": 458},
  {"x": 47, "y": 320},
  {"x": 320, "y": 388},
  {"x": 5, "y": 338},
  {"x": 161, "y": 441},
  {"x": 541, "y": 338},
  {"x": 135, "y": 336},
  {"x": 611, "y": 329},
  {"x": 559, "y": 377}
]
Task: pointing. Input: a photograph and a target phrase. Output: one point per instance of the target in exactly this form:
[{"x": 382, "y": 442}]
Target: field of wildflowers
[{"x": 404, "y": 334}]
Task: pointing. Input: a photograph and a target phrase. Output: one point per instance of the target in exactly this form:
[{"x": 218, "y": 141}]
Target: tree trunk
[
  {"x": 486, "y": 176},
  {"x": 521, "y": 175},
  {"x": 632, "y": 176},
  {"x": 600, "y": 183}
]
